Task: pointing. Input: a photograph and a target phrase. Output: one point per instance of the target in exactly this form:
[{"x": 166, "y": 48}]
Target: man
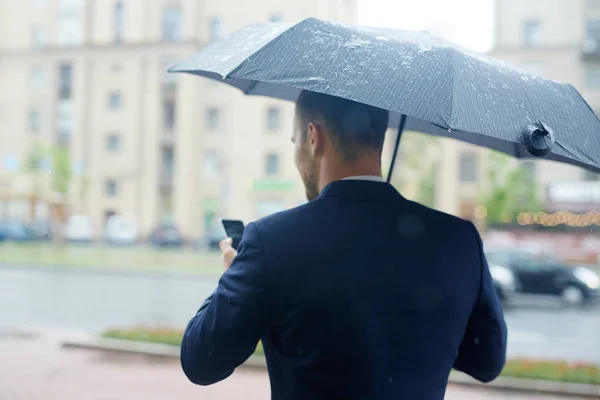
[{"x": 358, "y": 294}]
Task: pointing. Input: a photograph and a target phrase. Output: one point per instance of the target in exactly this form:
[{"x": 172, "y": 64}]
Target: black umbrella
[{"x": 428, "y": 84}]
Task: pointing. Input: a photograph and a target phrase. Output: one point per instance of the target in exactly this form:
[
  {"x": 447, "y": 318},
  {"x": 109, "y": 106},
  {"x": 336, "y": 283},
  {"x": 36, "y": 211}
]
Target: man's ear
[{"x": 316, "y": 138}]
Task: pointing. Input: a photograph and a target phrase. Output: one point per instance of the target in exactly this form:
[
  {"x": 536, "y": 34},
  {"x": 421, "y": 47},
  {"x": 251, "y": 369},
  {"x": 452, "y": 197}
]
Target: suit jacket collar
[{"x": 361, "y": 189}]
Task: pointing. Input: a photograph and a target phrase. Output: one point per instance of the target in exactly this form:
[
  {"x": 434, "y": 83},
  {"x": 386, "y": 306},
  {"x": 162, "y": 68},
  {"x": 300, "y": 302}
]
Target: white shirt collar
[{"x": 372, "y": 178}]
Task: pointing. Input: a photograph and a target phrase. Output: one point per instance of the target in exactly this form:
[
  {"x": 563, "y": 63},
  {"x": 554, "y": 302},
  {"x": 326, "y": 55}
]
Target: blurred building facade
[{"x": 90, "y": 76}]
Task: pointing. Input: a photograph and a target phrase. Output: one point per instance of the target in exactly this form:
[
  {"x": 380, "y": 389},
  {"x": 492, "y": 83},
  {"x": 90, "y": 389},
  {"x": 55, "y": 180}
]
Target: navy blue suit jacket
[{"x": 359, "y": 294}]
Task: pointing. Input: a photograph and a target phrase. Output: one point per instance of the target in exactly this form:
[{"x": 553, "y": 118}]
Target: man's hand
[{"x": 228, "y": 253}]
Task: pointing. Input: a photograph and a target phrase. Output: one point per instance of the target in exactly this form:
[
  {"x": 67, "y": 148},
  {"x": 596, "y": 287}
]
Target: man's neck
[{"x": 349, "y": 172}]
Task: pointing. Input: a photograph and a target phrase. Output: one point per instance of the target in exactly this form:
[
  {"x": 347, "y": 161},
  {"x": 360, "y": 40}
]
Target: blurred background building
[{"x": 90, "y": 76}]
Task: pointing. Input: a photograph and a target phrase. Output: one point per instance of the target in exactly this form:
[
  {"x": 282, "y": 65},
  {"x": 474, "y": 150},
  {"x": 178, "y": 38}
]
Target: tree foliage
[
  {"x": 415, "y": 172},
  {"x": 510, "y": 190}
]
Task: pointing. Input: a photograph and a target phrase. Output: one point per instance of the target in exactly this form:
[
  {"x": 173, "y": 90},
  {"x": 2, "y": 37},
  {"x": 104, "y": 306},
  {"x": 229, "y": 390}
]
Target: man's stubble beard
[{"x": 311, "y": 183}]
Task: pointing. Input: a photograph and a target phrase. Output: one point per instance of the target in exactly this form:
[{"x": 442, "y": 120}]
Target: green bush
[{"x": 557, "y": 371}]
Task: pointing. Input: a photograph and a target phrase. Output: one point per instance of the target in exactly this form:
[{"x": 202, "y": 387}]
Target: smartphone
[{"x": 234, "y": 229}]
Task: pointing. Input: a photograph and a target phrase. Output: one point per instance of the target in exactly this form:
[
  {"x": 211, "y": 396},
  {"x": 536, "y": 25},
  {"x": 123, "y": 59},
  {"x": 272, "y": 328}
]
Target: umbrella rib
[{"x": 398, "y": 137}]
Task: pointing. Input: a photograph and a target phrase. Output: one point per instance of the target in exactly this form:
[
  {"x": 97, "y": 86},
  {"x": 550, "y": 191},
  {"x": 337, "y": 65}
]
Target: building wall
[{"x": 83, "y": 34}]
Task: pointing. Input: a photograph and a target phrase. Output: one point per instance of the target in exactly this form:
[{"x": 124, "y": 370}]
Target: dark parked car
[
  {"x": 40, "y": 231},
  {"x": 166, "y": 235},
  {"x": 539, "y": 274}
]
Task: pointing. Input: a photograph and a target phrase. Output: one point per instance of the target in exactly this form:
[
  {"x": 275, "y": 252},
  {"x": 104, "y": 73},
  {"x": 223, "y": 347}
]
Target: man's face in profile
[{"x": 306, "y": 163}]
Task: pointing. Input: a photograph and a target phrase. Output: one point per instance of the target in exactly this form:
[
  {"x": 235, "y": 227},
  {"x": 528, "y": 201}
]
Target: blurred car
[
  {"x": 40, "y": 231},
  {"x": 214, "y": 236},
  {"x": 166, "y": 235},
  {"x": 15, "y": 231},
  {"x": 505, "y": 283},
  {"x": 79, "y": 229},
  {"x": 540, "y": 274},
  {"x": 121, "y": 230}
]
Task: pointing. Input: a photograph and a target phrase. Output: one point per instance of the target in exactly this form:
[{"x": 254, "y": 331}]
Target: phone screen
[{"x": 234, "y": 229}]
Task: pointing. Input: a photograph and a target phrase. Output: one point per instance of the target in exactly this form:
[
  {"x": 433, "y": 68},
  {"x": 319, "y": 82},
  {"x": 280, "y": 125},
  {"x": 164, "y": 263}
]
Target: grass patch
[
  {"x": 112, "y": 258},
  {"x": 556, "y": 371},
  {"x": 168, "y": 336}
]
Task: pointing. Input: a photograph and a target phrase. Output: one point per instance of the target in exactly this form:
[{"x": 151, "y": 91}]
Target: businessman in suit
[{"x": 357, "y": 294}]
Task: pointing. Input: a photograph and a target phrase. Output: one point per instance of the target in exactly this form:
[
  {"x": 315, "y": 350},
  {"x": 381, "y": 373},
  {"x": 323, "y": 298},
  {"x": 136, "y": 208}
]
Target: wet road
[{"x": 87, "y": 301}]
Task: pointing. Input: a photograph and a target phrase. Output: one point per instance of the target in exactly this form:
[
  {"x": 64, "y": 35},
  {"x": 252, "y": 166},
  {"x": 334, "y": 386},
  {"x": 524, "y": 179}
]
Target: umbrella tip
[{"x": 538, "y": 139}]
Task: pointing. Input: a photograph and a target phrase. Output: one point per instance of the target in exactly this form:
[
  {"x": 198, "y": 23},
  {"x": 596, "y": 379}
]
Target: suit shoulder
[
  {"x": 442, "y": 217},
  {"x": 284, "y": 217}
]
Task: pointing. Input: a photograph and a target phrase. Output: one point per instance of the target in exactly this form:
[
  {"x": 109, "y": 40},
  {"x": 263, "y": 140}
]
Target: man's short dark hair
[{"x": 355, "y": 127}]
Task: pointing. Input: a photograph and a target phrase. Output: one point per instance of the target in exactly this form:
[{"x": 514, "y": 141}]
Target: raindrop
[
  {"x": 449, "y": 130},
  {"x": 476, "y": 340},
  {"x": 390, "y": 379}
]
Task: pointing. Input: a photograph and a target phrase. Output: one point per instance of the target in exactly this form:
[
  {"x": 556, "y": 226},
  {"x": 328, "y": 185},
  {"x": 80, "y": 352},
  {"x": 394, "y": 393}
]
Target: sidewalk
[{"x": 36, "y": 369}]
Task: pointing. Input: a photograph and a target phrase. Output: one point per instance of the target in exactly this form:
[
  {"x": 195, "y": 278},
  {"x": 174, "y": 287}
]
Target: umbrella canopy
[{"x": 428, "y": 84}]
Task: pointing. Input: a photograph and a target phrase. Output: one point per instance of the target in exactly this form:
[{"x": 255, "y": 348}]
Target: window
[
  {"x": 276, "y": 18},
  {"x": 211, "y": 166},
  {"x": 111, "y": 188},
  {"x": 167, "y": 162},
  {"x": 113, "y": 143},
  {"x": 216, "y": 29},
  {"x": 70, "y": 9},
  {"x": 592, "y": 75},
  {"x": 38, "y": 39},
  {"x": 271, "y": 164},
  {"x": 468, "y": 167},
  {"x": 273, "y": 119},
  {"x": 37, "y": 79},
  {"x": 169, "y": 113},
  {"x": 35, "y": 120},
  {"x": 65, "y": 78},
  {"x": 592, "y": 35},
  {"x": 591, "y": 176},
  {"x": 64, "y": 121},
  {"x": 171, "y": 24},
  {"x": 115, "y": 100},
  {"x": 213, "y": 116},
  {"x": 118, "y": 21},
  {"x": 531, "y": 33},
  {"x": 69, "y": 32}
]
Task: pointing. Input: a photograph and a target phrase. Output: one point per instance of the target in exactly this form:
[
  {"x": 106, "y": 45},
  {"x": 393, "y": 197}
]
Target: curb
[{"x": 456, "y": 378}]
